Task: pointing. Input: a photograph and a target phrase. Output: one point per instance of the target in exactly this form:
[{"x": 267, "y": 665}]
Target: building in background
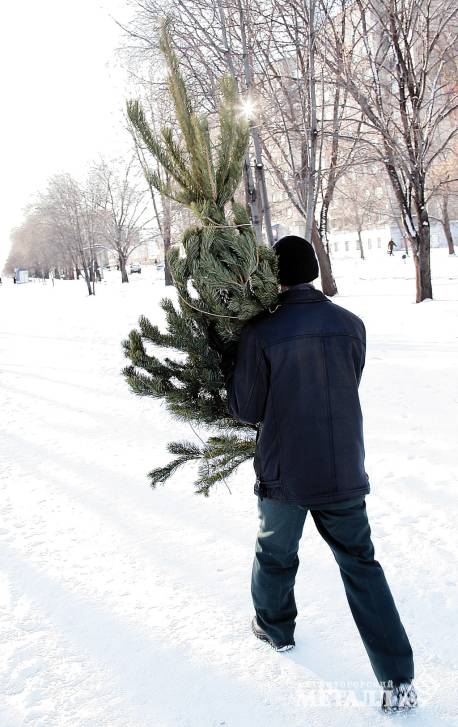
[
  {"x": 375, "y": 239},
  {"x": 21, "y": 275}
]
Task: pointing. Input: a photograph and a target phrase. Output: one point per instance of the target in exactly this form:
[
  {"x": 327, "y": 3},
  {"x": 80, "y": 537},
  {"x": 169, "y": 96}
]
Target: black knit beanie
[{"x": 296, "y": 260}]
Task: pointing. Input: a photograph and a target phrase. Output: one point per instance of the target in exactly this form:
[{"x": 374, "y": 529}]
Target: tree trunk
[
  {"x": 328, "y": 283},
  {"x": 449, "y": 236},
  {"x": 87, "y": 278},
  {"x": 122, "y": 266},
  {"x": 313, "y": 131},
  {"x": 419, "y": 240},
  {"x": 332, "y": 173},
  {"x": 422, "y": 260},
  {"x": 92, "y": 275},
  {"x": 261, "y": 184},
  {"x": 251, "y": 195},
  {"x": 252, "y": 199},
  {"x": 446, "y": 225},
  {"x": 360, "y": 242},
  {"x": 260, "y": 174}
]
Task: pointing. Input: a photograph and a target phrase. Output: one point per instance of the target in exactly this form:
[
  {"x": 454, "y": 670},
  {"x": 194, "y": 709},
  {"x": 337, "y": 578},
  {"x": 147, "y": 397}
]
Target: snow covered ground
[{"x": 126, "y": 607}]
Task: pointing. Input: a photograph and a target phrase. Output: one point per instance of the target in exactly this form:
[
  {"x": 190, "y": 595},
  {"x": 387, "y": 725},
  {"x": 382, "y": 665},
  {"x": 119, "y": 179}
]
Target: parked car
[
  {"x": 159, "y": 268},
  {"x": 135, "y": 268}
]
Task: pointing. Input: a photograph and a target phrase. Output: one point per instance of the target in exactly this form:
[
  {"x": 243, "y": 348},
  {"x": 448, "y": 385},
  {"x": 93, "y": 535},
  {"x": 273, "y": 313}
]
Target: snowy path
[{"x": 124, "y": 607}]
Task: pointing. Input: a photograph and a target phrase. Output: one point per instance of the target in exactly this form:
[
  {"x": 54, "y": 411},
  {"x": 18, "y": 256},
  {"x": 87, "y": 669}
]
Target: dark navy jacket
[{"x": 296, "y": 376}]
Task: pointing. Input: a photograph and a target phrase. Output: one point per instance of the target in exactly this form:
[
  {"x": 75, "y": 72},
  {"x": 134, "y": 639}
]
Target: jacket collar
[{"x": 301, "y": 295}]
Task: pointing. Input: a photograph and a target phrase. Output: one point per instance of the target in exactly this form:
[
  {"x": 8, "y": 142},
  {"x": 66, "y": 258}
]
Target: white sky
[{"x": 63, "y": 94}]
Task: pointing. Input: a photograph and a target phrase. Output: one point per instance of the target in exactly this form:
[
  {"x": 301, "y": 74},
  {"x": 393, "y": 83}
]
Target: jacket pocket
[
  {"x": 268, "y": 457},
  {"x": 272, "y": 489}
]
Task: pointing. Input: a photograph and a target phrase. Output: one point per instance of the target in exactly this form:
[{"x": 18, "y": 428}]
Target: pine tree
[{"x": 224, "y": 278}]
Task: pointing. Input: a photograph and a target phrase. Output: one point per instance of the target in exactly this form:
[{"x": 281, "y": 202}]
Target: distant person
[
  {"x": 295, "y": 376},
  {"x": 1, "y": 283},
  {"x": 391, "y": 246},
  {"x": 14, "y": 279}
]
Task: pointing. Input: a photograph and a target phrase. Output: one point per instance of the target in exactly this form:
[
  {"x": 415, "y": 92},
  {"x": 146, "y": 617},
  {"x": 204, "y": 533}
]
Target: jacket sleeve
[{"x": 248, "y": 385}]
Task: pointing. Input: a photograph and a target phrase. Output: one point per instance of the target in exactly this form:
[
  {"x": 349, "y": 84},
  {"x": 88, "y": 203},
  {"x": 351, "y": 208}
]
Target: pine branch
[{"x": 186, "y": 451}]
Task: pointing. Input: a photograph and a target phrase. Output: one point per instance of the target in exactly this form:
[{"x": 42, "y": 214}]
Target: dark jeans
[{"x": 345, "y": 528}]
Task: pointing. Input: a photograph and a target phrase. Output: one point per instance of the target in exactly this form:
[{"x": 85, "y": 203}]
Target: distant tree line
[{"x": 71, "y": 226}]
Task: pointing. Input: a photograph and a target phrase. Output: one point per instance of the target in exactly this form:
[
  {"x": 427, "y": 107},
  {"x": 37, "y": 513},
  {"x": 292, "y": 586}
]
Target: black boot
[
  {"x": 260, "y": 634},
  {"x": 399, "y": 698}
]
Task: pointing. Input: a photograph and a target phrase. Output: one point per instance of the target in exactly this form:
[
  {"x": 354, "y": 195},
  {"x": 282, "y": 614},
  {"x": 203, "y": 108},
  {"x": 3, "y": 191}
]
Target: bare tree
[
  {"x": 396, "y": 69},
  {"x": 67, "y": 211},
  {"x": 53, "y": 213},
  {"x": 122, "y": 209},
  {"x": 304, "y": 118},
  {"x": 45, "y": 242},
  {"x": 360, "y": 203},
  {"x": 32, "y": 248},
  {"x": 72, "y": 215}
]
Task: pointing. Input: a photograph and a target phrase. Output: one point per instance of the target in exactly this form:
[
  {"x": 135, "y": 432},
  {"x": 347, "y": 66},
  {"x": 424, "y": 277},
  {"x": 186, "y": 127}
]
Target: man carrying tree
[
  {"x": 296, "y": 376},
  {"x": 297, "y": 369}
]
